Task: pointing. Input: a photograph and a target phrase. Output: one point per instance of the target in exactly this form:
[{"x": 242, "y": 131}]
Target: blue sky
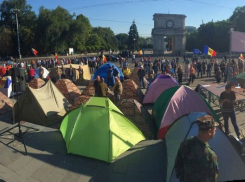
[{"x": 118, "y": 15}]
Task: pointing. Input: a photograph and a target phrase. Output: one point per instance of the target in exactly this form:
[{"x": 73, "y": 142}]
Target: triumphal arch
[{"x": 169, "y": 25}]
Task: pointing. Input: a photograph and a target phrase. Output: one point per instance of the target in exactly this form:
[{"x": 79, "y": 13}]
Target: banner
[{"x": 237, "y": 41}]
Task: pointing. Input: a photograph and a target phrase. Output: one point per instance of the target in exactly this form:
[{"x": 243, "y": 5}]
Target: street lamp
[
  {"x": 134, "y": 45},
  {"x": 15, "y": 11}
]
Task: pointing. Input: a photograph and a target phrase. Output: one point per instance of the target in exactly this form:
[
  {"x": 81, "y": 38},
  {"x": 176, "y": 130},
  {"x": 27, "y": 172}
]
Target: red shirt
[{"x": 31, "y": 72}]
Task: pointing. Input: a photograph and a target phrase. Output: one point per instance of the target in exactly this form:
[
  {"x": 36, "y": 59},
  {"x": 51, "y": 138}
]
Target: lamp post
[
  {"x": 15, "y": 11},
  {"x": 134, "y": 45}
]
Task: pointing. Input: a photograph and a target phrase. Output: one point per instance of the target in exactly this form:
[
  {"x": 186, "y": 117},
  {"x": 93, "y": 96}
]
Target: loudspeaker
[{"x": 18, "y": 77}]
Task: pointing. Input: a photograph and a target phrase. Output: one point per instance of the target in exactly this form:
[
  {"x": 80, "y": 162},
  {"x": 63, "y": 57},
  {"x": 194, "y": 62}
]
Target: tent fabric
[
  {"x": 134, "y": 111},
  {"x": 99, "y": 130},
  {"x": 86, "y": 71},
  {"x": 175, "y": 102},
  {"x": 231, "y": 165},
  {"x": 159, "y": 85},
  {"x": 6, "y": 104},
  {"x": 102, "y": 72},
  {"x": 36, "y": 83},
  {"x": 44, "y": 106},
  {"x": 68, "y": 89},
  {"x": 134, "y": 76},
  {"x": 131, "y": 91}
]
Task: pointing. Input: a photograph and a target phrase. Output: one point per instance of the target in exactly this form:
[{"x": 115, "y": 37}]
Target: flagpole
[{"x": 231, "y": 29}]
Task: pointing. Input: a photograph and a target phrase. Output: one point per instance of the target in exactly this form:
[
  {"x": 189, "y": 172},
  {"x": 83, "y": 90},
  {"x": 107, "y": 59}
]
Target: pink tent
[
  {"x": 158, "y": 86},
  {"x": 176, "y": 102}
]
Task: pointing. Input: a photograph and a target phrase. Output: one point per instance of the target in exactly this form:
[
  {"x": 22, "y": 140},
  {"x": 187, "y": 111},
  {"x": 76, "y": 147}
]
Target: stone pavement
[{"x": 48, "y": 161}]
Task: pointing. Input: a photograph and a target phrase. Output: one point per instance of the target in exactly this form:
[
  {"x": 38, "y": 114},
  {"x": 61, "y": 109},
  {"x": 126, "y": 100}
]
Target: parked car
[{"x": 113, "y": 58}]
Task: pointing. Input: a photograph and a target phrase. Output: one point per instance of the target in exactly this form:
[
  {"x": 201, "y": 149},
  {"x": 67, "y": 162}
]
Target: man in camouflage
[{"x": 196, "y": 161}]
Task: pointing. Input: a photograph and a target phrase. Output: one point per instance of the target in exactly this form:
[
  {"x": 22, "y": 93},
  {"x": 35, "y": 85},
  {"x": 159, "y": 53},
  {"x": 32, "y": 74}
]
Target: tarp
[
  {"x": 102, "y": 72},
  {"x": 99, "y": 130},
  {"x": 158, "y": 86},
  {"x": 176, "y": 102},
  {"x": 231, "y": 165},
  {"x": 68, "y": 89},
  {"x": 44, "y": 106},
  {"x": 86, "y": 72},
  {"x": 131, "y": 91},
  {"x": 134, "y": 111}
]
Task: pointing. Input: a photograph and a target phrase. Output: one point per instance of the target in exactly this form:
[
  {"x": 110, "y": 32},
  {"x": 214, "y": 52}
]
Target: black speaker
[{"x": 18, "y": 77}]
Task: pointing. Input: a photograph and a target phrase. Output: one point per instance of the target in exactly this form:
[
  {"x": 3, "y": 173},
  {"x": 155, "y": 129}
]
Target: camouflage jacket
[{"x": 196, "y": 162}]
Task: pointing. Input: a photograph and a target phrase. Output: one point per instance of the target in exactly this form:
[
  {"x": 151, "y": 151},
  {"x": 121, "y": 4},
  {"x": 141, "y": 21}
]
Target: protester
[
  {"x": 110, "y": 77},
  {"x": 63, "y": 72},
  {"x": 141, "y": 74},
  {"x": 115, "y": 72},
  {"x": 80, "y": 71},
  {"x": 97, "y": 87},
  {"x": 228, "y": 100},
  {"x": 70, "y": 73},
  {"x": 196, "y": 161},
  {"x": 192, "y": 75},
  {"x": 117, "y": 89},
  {"x": 126, "y": 72},
  {"x": 218, "y": 75},
  {"x": 180, "y": 74},
  {"x": 31, "y": 73},
  {"x": 104, "y": 87},
  {"x": 59, "y": 72}
]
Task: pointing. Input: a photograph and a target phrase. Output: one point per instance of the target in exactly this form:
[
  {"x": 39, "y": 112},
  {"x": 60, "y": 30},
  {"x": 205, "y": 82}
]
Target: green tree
[
  {"x": 52, "y": 28},
  {"x": 108, "y": 39},
  {"x": 238, "y": 19},
  {"x": 26, "y": 19},
  {"x": 122, "y": 39},
  {"x": 79, "y": 32},
  {"x": 94, "y": 42},
  {"x": 6, "y": 43},
  {"x": 133, "y": 37}
]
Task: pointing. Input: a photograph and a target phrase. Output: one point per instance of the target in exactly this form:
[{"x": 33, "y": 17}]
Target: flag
[
  {"x": 208, "y": 51},
  {"x": 56, "y": 56},
  {"x": 104, "y": 58},
  {"x": 237, "y": 41},
  {"x": 196, "y": 51},
  {"x": 241, "y": 56},
  {"x": 140, "y": 52},
  {"x": 34, "y": 51}
]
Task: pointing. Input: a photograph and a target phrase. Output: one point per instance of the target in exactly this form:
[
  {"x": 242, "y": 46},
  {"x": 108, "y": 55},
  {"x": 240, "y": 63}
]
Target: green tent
[{"x": 99, "y": 130}]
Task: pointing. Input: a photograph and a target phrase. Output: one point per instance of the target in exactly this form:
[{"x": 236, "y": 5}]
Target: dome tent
[
  {"x": 99, "y": 130},
  {"x": 159, "y": 85},
  {"x": 102, "y": 72},
  {"x": 176, "y": 102}
]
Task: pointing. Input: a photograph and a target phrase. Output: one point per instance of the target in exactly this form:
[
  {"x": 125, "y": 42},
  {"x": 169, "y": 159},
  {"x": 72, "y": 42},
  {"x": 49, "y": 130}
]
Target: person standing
[
  {"x": 228, "y": 100},
  {"x": 141, "y": 74},
  {"x": 97, "y": 87},
  {"x": 104, "y": 87},
  {"x": 180, "y": 74},
  {"x": 195, "y": 160},
  {"x": 70, "y": 73},
  {"x": 80, "y": 71},
  {"x": 117, "y": 89},
  {"x": 192, "y": 74},
  {"x": 110, "y": 77}
]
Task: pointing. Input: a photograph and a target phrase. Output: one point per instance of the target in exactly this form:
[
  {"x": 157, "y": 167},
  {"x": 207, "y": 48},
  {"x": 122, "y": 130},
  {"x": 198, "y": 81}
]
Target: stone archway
[{"x": 169, "y": 25}]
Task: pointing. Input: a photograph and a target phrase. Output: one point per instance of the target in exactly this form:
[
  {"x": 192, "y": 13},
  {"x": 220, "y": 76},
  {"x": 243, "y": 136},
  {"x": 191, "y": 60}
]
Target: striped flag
[
  {"x": 140, "y": 52},
  {"x": 241, "y": 56},
  {"x": 34, "y": 51}
]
